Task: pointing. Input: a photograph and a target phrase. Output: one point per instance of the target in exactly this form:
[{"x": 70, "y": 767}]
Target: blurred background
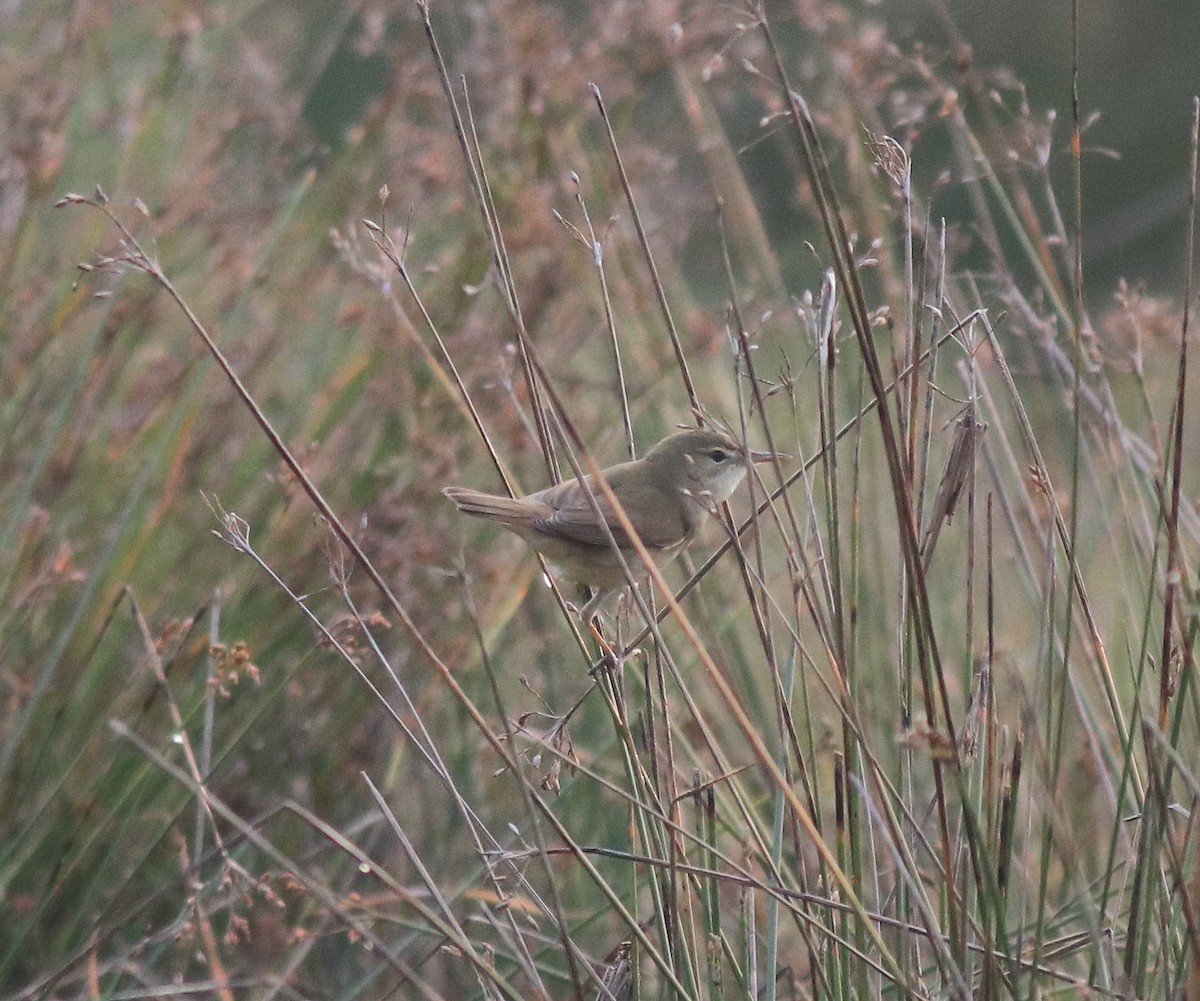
[{"x": 1137, "y": 78}]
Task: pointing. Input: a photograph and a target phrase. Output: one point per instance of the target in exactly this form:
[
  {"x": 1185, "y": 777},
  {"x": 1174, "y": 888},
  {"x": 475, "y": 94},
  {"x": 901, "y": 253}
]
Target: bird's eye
[{"x": 718, "y": 455}]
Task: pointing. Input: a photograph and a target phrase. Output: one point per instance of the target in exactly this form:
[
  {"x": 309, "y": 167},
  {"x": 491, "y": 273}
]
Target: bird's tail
[{"x": 489, "y": 506}]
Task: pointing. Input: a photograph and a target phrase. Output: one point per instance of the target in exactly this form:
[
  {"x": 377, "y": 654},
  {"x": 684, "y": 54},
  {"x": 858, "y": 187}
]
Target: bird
[{"x": 666, "y": 495}]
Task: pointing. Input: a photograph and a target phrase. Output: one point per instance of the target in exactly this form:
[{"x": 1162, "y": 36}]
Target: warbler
[{"x": 666, "y": 495}]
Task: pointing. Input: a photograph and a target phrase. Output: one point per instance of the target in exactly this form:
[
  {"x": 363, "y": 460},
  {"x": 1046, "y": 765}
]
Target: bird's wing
[{"x": 569, "y": 515}]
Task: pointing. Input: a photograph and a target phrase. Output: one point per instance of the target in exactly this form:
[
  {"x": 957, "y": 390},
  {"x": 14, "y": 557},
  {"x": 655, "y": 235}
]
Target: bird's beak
[{"x": 768, "y": 456}]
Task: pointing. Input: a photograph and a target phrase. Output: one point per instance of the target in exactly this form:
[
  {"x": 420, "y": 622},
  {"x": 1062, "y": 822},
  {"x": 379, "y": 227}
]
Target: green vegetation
[{"x": 920, "y": 720}]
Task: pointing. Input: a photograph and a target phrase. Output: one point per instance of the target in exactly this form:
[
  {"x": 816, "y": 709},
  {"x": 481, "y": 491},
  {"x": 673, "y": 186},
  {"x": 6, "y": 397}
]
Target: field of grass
[{"x": 918, "y": 718}]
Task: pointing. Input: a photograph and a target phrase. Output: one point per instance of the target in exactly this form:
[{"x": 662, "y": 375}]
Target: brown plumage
[{"x": 664, "y": 494}]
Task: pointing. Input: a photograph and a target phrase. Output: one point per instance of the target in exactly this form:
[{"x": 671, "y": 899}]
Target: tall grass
[{"x": 919, "y": 719}]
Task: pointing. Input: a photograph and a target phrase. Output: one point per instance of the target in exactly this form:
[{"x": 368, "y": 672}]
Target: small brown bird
[{"x": 666, "y": 495}]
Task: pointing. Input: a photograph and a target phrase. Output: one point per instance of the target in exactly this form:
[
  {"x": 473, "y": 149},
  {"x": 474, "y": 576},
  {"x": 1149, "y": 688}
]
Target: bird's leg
[{"x": 594, "y": 602}]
